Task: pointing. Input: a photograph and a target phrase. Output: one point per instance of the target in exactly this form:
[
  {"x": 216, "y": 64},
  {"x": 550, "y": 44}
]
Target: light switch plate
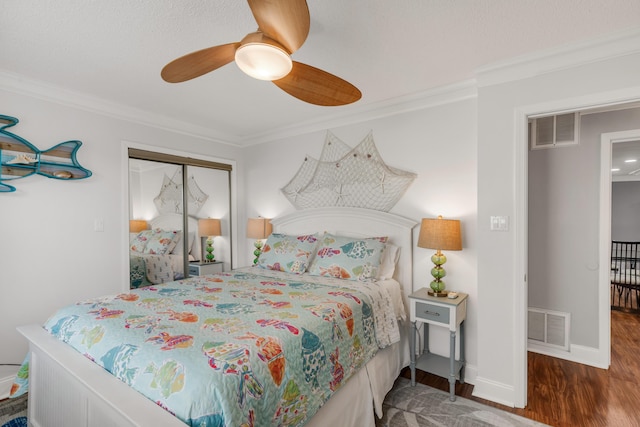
[{"x": 499, "y": 223}]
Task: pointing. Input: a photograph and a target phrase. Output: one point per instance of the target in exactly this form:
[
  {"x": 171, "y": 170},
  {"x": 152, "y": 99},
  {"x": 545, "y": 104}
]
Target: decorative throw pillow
[
  {"x": 283, "y": 252},
  {"x": 158, "y": 269},
  {"x": 140, "y": 241},
  {"x": 162, "y": 241},
  {"x": 347, "y": 257}
]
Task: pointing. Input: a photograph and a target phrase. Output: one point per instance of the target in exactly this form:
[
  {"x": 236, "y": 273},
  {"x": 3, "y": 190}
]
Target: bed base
[{"x": 66, "y": 389}]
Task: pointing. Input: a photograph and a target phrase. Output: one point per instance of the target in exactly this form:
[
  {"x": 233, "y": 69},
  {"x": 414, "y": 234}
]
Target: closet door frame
[{"x": 196, "y": 158}]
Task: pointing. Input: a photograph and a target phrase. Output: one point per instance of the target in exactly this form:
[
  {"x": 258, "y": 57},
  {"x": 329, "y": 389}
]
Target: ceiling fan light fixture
[{"x": 263, "y": 61}]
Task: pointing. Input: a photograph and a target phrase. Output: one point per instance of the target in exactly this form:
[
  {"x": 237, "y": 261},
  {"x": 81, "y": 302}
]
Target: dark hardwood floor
[{"x": 563, "y": 394}]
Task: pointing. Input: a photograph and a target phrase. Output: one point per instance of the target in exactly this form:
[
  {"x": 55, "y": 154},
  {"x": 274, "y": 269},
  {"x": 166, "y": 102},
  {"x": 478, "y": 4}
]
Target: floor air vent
[{"x": 549, "y": 328}]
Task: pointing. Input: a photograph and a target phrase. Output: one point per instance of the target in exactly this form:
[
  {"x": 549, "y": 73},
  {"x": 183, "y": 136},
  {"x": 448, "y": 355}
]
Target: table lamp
[
  {"x": 137, "y": 225},
  {"x": 258, "y": 228},
  {"x": 209, "y": 227},
  {"x": 440, "y": 234}
]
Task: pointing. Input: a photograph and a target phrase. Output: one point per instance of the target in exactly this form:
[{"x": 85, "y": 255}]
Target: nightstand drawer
[
  {"x": 431, "y": 312},
  {"x": 204, "y": 268}
]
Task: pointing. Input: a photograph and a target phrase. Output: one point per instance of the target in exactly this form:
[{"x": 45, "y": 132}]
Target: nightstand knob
[{"x": 432, "y": 313}]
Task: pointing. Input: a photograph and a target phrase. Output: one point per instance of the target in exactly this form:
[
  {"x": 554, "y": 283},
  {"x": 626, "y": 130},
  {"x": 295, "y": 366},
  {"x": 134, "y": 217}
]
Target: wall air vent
[
  {"x": 549, "y": 328},
  {"x": 554, "y": 131}
]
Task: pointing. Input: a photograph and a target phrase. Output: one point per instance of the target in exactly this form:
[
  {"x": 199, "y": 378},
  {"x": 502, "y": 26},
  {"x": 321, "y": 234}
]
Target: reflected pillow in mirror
[
  {"x": 287, "y": 253},
  {"x": 179, "y": 249},
  {"x": 162, "y": 241},
  {"x": 139, "y": 243}
]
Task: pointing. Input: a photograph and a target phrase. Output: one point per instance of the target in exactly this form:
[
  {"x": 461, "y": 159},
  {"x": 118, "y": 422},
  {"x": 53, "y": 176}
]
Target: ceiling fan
[{"x": 283, "y": 26}]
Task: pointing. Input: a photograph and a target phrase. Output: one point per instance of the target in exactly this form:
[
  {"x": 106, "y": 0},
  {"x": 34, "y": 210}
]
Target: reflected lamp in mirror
[
  {"x": 258, "y": 228},
  {"x": 137, "y": 225},
  {"x": 209, "y": 227},
  {"x": 439, "y": 234}
]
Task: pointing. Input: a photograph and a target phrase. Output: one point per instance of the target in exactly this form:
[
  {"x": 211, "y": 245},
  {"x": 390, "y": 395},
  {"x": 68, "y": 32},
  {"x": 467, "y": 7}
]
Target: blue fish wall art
[{"x": 19, "y": 158}]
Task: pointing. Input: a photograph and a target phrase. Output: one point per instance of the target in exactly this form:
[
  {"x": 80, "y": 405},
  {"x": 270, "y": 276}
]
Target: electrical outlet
[{"x": 98, "y": 224}]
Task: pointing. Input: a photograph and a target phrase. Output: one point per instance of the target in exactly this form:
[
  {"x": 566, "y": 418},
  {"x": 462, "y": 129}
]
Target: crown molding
[
  {"x": 61, "y": 96},
  {"x": 621, "y": 43},
  {"x": 417, "y": 101},
  {"x": 47, "y": 92}
]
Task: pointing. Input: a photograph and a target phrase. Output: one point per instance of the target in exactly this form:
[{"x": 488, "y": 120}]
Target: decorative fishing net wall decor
[
  {"x": 170, "y": 198},
  {"x": 345, "y": 176}
]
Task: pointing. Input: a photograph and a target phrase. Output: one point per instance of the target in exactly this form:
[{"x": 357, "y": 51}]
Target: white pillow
[
  {"x": 179, "y": 249},
  {"x": 388, "y": 261}
]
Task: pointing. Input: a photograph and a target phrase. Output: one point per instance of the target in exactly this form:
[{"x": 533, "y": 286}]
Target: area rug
[
  {"x": 404, "y": 406},
  {"x": 13, "y": 412},
  {"x": 424, "y": 406}
]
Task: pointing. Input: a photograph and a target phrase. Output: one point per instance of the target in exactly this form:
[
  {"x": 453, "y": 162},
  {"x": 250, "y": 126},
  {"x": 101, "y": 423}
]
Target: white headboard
[{"x": 358, "y": 222}]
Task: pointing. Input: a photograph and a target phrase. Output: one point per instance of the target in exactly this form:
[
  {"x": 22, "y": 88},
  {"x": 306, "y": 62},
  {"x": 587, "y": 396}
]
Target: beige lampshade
[
  {"x": 440, "y": 234},
  {"x": 209, "y": 227},
  {"x": 137, "y": 225},
  {"x": 259, "y": 228}
]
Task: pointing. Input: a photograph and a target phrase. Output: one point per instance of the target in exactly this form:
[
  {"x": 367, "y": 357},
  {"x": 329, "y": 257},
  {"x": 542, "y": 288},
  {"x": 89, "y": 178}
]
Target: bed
[
  {"x": 156, "y": 255},
  {"x": 625, "y": 276},
  {"x": 68, "y": 389}
]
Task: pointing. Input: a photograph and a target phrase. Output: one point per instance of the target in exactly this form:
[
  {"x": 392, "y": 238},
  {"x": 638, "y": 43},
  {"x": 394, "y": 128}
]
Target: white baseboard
[
  {"x": 580, "y": 354},
  {"x": 5, "y": 385},
  {"x": 494, "y": 391},
  {"x": 470, "y": 374}
]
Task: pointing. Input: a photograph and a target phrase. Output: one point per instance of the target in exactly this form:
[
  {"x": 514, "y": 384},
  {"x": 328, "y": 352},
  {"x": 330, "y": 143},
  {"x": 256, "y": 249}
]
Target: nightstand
[
  {"x": 203, "y": 268},
  {"x": 438, "y": 311}
]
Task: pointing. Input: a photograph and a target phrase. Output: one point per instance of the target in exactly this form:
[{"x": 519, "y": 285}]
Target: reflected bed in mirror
[
  {"x": 156, "y": 255},
  {"x": 172, "y": 194}
]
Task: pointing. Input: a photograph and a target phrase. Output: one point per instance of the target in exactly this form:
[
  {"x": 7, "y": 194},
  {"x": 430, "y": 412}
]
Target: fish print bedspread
[{"x": 245, "y": 348}]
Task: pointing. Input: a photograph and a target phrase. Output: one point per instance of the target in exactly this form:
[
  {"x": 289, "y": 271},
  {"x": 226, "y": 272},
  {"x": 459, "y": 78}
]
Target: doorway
[
  {"x": 600, "y": 355},
  {"x": 569, "y": 235}
]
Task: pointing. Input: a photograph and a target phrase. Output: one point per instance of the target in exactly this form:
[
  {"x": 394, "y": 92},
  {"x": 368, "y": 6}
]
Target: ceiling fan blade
[
  {"x": 312, "y": 85},
  {"x": 286, "y": 21},
  {"x": 198, "y": 63}
]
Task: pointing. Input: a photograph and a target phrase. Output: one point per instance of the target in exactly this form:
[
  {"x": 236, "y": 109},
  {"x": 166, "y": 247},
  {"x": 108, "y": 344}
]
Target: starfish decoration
[
  {"x": 381, "y": 184},
  {"x": 340, "y": 194},
  {"x": 295, "y": 193}
]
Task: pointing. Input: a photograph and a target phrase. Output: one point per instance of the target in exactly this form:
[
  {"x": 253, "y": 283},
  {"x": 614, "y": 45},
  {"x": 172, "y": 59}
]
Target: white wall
[
  {"x": 50, "y": 254},
  {"x": 501, "y": 358},
  {"x": 625, "y": 206},
  {"x": 439, "y": 145}
]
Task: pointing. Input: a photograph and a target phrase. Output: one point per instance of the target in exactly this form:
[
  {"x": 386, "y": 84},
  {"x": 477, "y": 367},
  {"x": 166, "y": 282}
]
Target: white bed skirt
[{"x": 66, "y": 389}]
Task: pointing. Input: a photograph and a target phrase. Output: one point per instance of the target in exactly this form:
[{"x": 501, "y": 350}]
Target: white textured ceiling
[{"x": 114, "y": 50}]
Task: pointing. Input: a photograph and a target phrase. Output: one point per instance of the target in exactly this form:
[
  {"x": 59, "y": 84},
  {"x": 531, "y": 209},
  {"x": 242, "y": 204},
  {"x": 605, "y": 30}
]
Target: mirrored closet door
[{"x": 179, "y": 217}]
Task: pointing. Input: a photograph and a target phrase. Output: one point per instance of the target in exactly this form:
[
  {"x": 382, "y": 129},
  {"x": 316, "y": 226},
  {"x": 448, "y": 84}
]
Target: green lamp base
[
  {"x": 437, "y": 285},
  {"x": 258, "y": 251},
  {"x": 209, "y": 257},
  {"x": 438, "y": 294}
]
